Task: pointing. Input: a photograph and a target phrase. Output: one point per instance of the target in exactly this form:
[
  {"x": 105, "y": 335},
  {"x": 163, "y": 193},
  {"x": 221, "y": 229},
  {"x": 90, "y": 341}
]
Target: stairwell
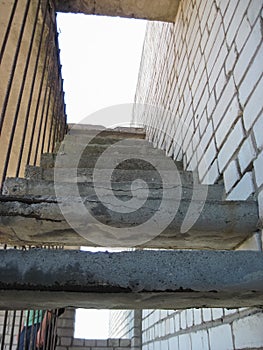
[{"x": 93, "y": 192}]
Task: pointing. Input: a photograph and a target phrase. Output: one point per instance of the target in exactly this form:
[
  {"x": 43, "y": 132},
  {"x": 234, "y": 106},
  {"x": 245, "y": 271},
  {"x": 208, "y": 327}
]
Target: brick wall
[
  {"x": 202, "y": 329},
  {"x": 205, "y": 71},
  {"x": 66, "y": 340},
  {"x": 204, "y": 75},
  {"x": 127, "y": 324}
]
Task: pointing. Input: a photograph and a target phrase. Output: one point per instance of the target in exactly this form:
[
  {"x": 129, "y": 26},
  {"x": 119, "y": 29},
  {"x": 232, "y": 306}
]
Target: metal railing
[
  {"x": 32, "y": 110},
  {"x": 29, "y": 329}
]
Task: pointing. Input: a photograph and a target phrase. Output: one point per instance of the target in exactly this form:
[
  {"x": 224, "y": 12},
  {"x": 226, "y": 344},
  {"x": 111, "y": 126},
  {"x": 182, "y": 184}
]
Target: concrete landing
[{"x": 130, "y": 280}]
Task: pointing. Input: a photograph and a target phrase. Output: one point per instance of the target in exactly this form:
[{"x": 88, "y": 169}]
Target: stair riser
[
  {"x": 22, "y": 187},
  {"x": 75, "y": 149},
  {"x": 48, "y": 161},
  {"x": 86, "y": 175}
]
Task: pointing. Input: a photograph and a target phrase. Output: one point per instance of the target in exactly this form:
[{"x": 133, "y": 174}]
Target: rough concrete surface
[
  {"x": 138, "y": 279},
  {"x": 221, "y": 225},
  {"x": 156, "y": 10}
]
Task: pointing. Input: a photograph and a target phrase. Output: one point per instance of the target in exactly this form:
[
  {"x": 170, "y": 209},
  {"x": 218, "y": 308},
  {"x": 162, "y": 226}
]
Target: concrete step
[
  {"x": 42, "y": 220},
  {"x": 86, "y": 175},
  {"x": 93, "y": 139},
  {"x": 143, "y": 148},
  {"x": 25, "y": 187},
  {"x": 133, "y": 162},
  {"x": 120, "y": 133}
]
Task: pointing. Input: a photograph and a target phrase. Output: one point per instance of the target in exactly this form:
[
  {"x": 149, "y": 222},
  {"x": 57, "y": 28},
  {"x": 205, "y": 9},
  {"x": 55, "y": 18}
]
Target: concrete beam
[
  {"x": 156, "y": 10},
  {"x": 130, "y": 280}
]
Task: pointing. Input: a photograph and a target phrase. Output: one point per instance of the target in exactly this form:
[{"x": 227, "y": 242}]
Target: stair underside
[{"x": 30, "y": 210}]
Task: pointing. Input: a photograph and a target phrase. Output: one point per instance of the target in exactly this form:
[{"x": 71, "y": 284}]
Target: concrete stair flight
[{"x": 142, "y": 182}]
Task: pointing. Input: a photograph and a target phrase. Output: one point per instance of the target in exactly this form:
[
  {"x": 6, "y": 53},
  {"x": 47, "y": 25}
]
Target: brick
[
  {"x": 248, "y": 332},
  {"x": 221, "y": 337},
  {"x": 176, "y": 322},
  {"x": 253, "y": 11},
  {"x": 65, "y": 332},
  {"x": 216, "y": 50},
  {"x": 185, "y": 342},
  {"x": 235, "y": 22},
  {"x": 223, "y": 102},
  {"x": 257, "y": 130},
  {"x": 220, "y": 60},
  {"x": 242, "y": 34},
  {"x": 258, "y": 168},
  {"x": 207, "y": 314},
  {"x": 231, "y": 175},
  {"x": 246, "y": 154},
  {"x": 212, "y": 16},
  {"x": 230, "y": 146},
  {"x": 222, "y": 5},
  {"x": 164, "y": 344},
  {"x": 231, "y": 60},
  {"x": 247, "y": 53},
  {"x": 78, "y": 342},
  {"x": 115, "y": 342},
  {"x": 205, "y": 140},
  {"x": 200, "y": 340},
  {"x": 243, "y": 189},
  {"x": 211, "y": 104},
  {"x": 253, "y": 107},
  {"x": 221, "y": 82},
  {"x": 212, "y": 36},
  {"x": 183, "y": 319},
  {"x": 66, "y": 341},
  {"x": 260, "y": 204},
  {"x": 228, "y": 312},
  {"x": 189, "y": 317},
  {"x": 251, "y": 78},
  {"x": 230, "y": 117},
  {"x": 207, "y": 159},
  {"x": 173, "y": 343},
  {"x": 197, "y": 316},
  {"x": 90, "y": 342},
  {"x": 229, "y": 13},
  {"x": 217, "y": 313}
]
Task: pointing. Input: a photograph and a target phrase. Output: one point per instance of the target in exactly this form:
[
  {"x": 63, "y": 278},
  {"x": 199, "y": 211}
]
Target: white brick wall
[{"x": 205, "y": 72}]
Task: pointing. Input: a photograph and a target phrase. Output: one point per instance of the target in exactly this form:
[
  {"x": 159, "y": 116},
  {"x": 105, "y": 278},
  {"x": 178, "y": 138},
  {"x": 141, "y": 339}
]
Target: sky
[{"x": 100, "y": 59}]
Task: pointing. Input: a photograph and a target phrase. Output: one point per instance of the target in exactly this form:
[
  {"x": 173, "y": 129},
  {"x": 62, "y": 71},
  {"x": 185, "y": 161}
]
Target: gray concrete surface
[
  {"x": 164, "y": 10},
  {"x": 138, "y": 279},
  {"x": 221, "y": 225}
]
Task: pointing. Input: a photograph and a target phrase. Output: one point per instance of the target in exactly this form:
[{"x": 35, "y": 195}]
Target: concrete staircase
[
  {"x": 93, "y": 192},
  {"x": 174, "y": 211}
]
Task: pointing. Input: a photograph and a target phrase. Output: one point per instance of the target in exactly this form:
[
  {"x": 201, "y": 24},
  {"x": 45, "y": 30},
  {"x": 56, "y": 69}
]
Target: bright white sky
[{"x": 100, "y": 59}]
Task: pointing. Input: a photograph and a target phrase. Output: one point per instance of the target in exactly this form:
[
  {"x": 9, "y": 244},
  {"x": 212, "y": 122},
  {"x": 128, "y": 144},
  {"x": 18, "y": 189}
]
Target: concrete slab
[
  {"x": 148, "y": 9},
  {"x": 130, "y": 280},
  {"x": 122, "y": 189},
  {"x": 221, "y": 225}
]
